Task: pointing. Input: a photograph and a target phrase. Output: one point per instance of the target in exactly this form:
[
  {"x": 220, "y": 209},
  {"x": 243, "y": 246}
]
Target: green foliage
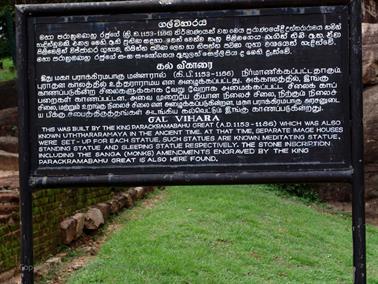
[
  {"x": 6, "y": 29},
  {"x": 228, "y": 234},
  {"x": 303, "y": 191},
  {"x": 8, "y": 71}
]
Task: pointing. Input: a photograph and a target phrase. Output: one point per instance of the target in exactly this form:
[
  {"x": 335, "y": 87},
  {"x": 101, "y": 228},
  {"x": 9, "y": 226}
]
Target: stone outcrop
[
  {"x": 370, "y": 124},
  {"x": 370, "y": 53},
  {"x": 8, "y": 122},
  {"x": 93, "y": 219},
  {"x": 9, "y": 144},
  {"x": 68, "y": 230},
  {"x": 105, "y": 209},
  {"x": 8, "y": 139},
  {"x": 8, "y": 161},
  {"x": 80, "y": 220},
  {"x": 9, "y": 205}
]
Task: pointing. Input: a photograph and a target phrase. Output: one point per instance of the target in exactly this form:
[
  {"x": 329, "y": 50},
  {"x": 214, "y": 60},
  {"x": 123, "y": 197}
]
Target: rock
[
  {"x": 80, "y": 220},
  {"x": 77, "y": 266},
  {"x": 121, "y": 199},
  {"x": 10, "y": 182},
  {"x": 53, "y": 261},
  {"x": 139, "y": 192},
  {"x": 93, "y": 219},
  {"x": 5, "y": 276},
  {"x": 9, "y": 196},
  {"x": 105, "y": 209},
  {"x": 9, "y": 144},
  {"x": 370, "y": 98},
  {"x": 133, "y": 193},
  {"x": 9, "y": 204},
  {"x": 114, "y": 206},
  {"x": 8, "y": 122},
  {"x": 369, "y": 11},
  {"x": 8, "y": 208},
  {"x": 90, "y": 250},
  {"x": 8, "y": 161},
  {"x": 129, "y": 200},
  {"x": 370, "y": 53},
  {"x": 371, "y": 181},
  {"x": 68, "y": 230},
  {"x": 4, "y": 219},
  {"x": 40, "y": 270}
]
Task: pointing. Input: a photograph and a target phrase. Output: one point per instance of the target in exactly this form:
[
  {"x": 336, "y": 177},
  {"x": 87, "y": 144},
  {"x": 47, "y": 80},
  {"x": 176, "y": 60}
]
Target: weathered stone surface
[
  {"x": 54, "y": 261},
  {"x": 114, "y": 206},
  {"x": 121, "y": 200},
  {"x": 4, "y": 218},
  {"x": 9, "y": 204},
  {"x": 93, "y": 219},
  {"x": 129, "y": 200},
  {"x": 68, "y": 230},
  {"x": 140, "y": 192},
  {"x": 370, "y": 53},
  {"x": 105, "y": 209},
  {"x": 370, "y": 11},
  {"x": 371, "y": 181},
  {"x": 44, "y": 268},
  {"x": 10, "y": 182},
  {"x": 9, "y": 196},
  {"x": 80, "y": 220},
  {"x": 9, "y": 144},
  {"x": 133, "y": 193},
  {"x": 8, "y": 122},
  {"x": 7, "y": 275},
  {"x": 370, "y": 98},
  {"x": 8, "y": 208},
  {"x": 8, "y": 161}
]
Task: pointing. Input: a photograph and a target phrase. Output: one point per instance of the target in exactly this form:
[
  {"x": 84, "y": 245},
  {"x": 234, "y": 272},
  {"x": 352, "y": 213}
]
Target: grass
[
  {"x": 8, "y": 71},
  {"x": 229, "y": 234}
]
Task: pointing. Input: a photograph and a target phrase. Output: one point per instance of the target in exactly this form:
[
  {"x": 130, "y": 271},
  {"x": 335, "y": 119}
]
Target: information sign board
[{"x": 178, "y": 92}]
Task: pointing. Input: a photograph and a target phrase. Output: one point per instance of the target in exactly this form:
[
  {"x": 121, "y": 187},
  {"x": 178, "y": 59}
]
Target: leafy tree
[{"x": 6, "y": 29}]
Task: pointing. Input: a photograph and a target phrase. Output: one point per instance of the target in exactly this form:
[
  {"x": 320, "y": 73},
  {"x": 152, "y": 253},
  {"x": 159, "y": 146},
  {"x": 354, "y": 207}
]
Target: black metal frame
[{"x": 353, "y": 175}]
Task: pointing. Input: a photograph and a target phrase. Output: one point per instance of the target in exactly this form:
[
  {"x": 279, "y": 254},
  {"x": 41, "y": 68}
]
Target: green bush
[
  {"x": 6, "y": 30},
  {"x": 301, "y": 190}
]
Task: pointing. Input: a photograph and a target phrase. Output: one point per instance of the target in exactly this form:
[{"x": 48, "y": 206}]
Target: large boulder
[
  {"x": 93, "y": 219},
  {"x": 370, "y": 53},
  {"x": 8, "y": 122},
  {"x": 9, "y": 144},
  {"x": 80, "y": 220},
  {"x": 105, "y": 209},
  {"x": 370, "y": 98},
  {"x": 8, "y": 161},
  {"x": 68, "y": 230}
]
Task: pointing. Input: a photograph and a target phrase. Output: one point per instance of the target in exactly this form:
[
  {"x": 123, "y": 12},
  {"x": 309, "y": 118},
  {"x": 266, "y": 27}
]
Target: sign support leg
[
  {"x": 358, "y": 187},
  {"x": 27, "y": 268},
  {"x": 358, "y": 220}
]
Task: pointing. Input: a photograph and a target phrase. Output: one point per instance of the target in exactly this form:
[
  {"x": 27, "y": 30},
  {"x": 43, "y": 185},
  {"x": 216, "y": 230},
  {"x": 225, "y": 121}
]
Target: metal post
[
  {"x": 358, "y": 219},
  {"x": 358, "y": 198},
  {"x": 27, "y": 269}
]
